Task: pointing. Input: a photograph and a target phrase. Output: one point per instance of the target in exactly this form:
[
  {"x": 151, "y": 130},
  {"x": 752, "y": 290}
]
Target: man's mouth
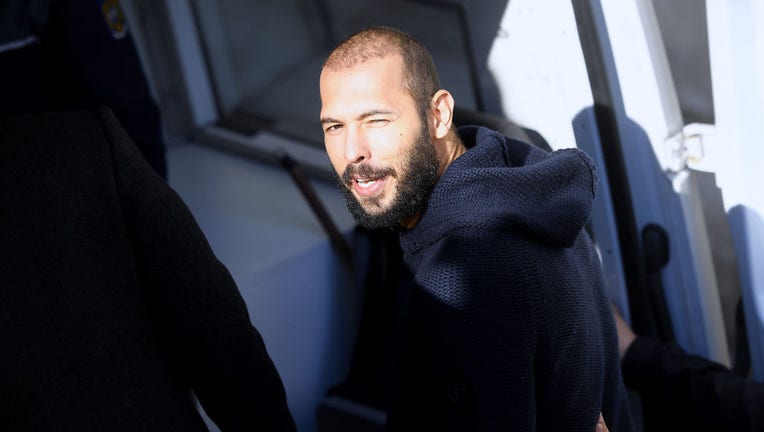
[
  {"x": 367, "y": 186},
  {"x": 366, "y": 181}
]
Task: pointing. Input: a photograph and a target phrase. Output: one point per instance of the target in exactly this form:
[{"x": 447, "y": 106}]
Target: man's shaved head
[{"x": 419, "y": 74}]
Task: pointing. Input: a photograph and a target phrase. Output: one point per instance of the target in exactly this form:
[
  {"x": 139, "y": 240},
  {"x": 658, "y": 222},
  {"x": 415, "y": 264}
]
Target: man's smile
[
  {"x": 367, "y": 186},
  {"x": 366, "y": 181}
]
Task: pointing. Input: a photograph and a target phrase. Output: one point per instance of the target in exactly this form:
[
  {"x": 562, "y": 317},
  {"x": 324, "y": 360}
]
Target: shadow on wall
[{"x": 654, "y": 201}]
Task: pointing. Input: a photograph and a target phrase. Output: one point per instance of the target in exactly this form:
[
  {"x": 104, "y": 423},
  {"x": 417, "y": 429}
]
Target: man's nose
[{"x": 356, "y": 147}]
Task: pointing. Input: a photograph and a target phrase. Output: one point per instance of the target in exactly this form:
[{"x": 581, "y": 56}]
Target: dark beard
[{"x": 415, "y": 182}]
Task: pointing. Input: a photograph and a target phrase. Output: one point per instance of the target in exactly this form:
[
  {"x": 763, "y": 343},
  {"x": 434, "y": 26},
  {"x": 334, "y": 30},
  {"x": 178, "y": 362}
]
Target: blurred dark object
[{"x": 67, "y": 54}]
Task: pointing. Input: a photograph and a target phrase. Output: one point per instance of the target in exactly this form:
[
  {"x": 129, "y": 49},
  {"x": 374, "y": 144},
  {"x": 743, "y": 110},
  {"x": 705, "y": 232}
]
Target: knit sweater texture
[{"x": 508, "y": 325}]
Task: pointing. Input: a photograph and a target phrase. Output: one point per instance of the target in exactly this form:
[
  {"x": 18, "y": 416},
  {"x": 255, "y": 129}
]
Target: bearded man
[{"x": 508, "y": 326}]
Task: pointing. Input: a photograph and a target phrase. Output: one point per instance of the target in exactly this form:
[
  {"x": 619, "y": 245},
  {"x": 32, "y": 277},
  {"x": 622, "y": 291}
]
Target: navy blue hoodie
[{"x": 508, "y": 324}]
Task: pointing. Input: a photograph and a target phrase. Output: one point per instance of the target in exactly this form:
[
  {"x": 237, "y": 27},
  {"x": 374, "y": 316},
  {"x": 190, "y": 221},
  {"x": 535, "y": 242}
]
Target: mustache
[{"x": 365, "y": 171}]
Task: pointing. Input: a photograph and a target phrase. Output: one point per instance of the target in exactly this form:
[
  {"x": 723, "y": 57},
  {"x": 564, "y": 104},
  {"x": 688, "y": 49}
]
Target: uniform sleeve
[
  {"x": 201, "y": 317},
  {"x": 691, "y": 392}
]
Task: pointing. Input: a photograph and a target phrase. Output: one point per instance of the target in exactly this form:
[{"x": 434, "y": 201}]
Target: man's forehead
[
  {"x": 373, "y": 84},
  {"x": 370, "y": 78}
]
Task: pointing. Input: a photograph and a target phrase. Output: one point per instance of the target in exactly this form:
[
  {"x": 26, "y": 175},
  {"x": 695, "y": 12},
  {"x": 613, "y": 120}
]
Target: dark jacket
[
  {"x": 509, "y": 326},
  {"x": 112, "y": 304}
]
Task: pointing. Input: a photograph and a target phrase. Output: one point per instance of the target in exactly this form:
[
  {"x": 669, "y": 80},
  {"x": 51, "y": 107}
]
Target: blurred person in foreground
[{"x": 113, "y": 307}]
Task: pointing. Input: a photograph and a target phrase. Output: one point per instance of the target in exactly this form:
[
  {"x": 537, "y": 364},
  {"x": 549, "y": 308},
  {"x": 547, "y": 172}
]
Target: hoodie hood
[{"x": 507, "y": 184}]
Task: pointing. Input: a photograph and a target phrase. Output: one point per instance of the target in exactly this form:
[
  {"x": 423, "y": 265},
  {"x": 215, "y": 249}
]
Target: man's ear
[{"x": 443, "y": 113}]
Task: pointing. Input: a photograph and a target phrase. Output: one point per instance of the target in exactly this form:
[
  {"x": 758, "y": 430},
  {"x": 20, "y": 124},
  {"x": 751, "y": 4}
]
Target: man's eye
[
  {"x": 332, "y": 128},
  {"x": 378, "y": 121}
]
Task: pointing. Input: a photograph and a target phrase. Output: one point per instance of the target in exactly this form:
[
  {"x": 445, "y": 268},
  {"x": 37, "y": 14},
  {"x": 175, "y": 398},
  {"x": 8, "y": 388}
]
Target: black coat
[{"x": 112, "y": 304}]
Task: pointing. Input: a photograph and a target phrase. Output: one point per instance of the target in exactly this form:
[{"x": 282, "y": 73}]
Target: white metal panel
[
  {"x": 736, "y": 42},
  {"x": 664, "y": 192},
  {"x": 643, "y": 72},
  {"x": 539, "y": 69}
]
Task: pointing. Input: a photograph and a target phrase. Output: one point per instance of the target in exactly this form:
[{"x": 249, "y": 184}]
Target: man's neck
[{"x": 451, "y": 148}]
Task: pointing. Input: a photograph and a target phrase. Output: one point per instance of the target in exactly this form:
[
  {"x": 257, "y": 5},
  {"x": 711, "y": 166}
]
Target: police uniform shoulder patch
[{"x": 115, "y": 18}]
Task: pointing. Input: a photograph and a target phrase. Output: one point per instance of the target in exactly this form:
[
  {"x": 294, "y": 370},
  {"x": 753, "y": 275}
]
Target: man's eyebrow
[
  {"x": 329, "y": 120},
  {"x": 375, "y": 112},
  {"x": 361, "y": 116}
]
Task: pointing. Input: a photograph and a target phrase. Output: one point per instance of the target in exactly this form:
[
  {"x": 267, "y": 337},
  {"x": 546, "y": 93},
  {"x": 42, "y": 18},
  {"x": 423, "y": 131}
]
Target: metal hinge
[{"x": 692, "y": 148}]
